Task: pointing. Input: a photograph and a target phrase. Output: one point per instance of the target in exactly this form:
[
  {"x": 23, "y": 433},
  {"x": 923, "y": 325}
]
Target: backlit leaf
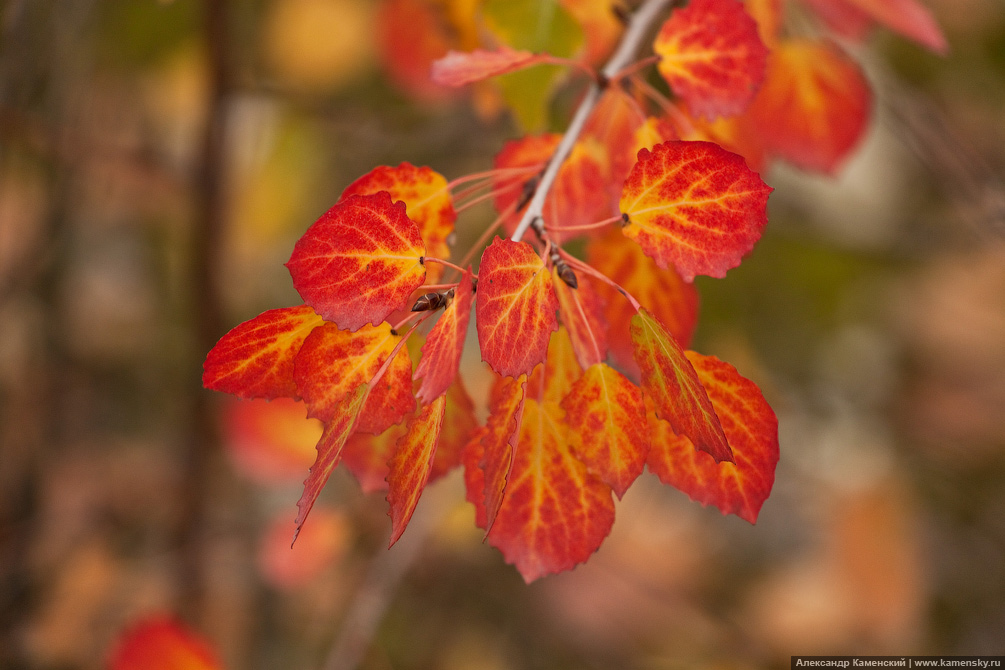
[
  {"x": 459, "y": 424},
  {"x": 391, "y": 397},
  {"x": 694, "y": 205},
  {"x": 255, "y": 359},
  {"x": 515, "y": 307},
  {"x": 814, "y": 105},
  {"x": 502, "y": 430},
  {"x": 613, "y": 123},
  {"x": 553, "y": 380},
  {"x": 411, "y": 464},
  {"x": 162, "y": 643},
  {"x": 333, "y": 439},
  {"x": 366, "y": 456},
  {"x": 460, "y": 68},
  {"x": 712, "y": 57},
  {"x": 472, "y": 456},
  {"x": 441, "y": 354},
  {"x": 581, "y": 312},
  {"x": 670, "y": 380},
  {"x": 606, "y": 417},
  {"x": 360, "y": 261},
  {"x": 752, "y": 430},
  {"x": 555, "y": 514},
  {"x": 908, "y": 17}
]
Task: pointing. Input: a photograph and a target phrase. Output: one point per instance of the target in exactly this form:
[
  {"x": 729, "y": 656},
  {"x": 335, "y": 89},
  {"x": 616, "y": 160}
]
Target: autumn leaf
[
  {"x": 555, "y": 513},
  {"x": 906, "y": 17},
  {"x": 670, "y": 380},
  {"x": 695, "y": 206},
  {"x": 472, "y": 457},
  {"x": 750, "y": 426},
  {"x": 412, "y": 463},
  {"x": 712, "y": 57},
  {"x": 162, "y": 643},
  {"x": 360, "y": 261},
  {"x": 459, "y": 424},
  {"x": 269, "y": 442},
  {"x": 601, "y": 26},
  {"x": 613, "y": 124},
  {"x": 769, "y": 17},
  {"x": 515, "y": 307},
  {"x": 391, "y": 397},
  {"x": 498, "y": 442},
  {"x": 462, "y": 68},
  {"x": 553, "y": 380},
  {"x": 366, "y": 456},
  {"x": 333, "y": 439},
  {"x": 412, "y": 37},
  {"x": 606, "y": 417},
  {"x": 255, "y": 359},
  {"x": 441, "y": 354},
  {"x": 814, "y": 105},
  {"x": 580, "y": 310}
]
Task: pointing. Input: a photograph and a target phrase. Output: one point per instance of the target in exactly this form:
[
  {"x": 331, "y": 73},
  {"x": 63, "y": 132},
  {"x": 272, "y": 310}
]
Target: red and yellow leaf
[
  {"x": 461, "y": 68},
  {"x": 499, "y": 442},
  {"x": 672, "y": 383},
  {"x": 613, "y": 123},
  {"x": 366, "y": 456},
  {"x": 555, "y": 514},
  {"x": 360, "y": 261},
  {"x": 712, "y": 56},
  {"x": 409, "y": 468},
  {"x": 459, "y": 424},
  {"x": 333, "y": 439},
  {"x": 441, "y": 354},
  {"x": 668, "y": 297},
  {"x": 391, "y": 397},
  {"x": 553, "y": 380},
  {"x": 472, "y": 457},
  {"x": 606, "y": 417},
  {"x": 255, "y": 359},
  {"x": 581, "y": 312},
  {"x": 162, "y": 643},
  {"x": 813, "y": 107},
  {"x": 907, "y": 17},
  {"x": 752, "y": 430},
  {"x": 694, "y": 205},
  {"x": 515, "y": 308},
  {"x": 769, "y": 18}
]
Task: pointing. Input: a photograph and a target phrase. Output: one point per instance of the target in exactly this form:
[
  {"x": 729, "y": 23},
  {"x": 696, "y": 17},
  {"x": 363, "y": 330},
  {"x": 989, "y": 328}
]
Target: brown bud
[
  {"x": 429, "y": 302},
  {"x": 566, "y": 274}
]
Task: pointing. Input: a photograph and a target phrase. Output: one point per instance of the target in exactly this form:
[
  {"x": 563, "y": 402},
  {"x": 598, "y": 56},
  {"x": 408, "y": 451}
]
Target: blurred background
[{"x": 159, "y": 159}]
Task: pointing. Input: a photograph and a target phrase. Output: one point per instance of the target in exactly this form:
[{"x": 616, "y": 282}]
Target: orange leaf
[
  {"x": 581, "y": 312},
  {"x": 813, "y": 107},
  {"x": 366, "y": 456},
  {"x": 555, "y": 514},
  {"x": 459, "y": 424},
  {"x": 553, "y": 380},
  {"x": 752, "y": 430},
  {"x": 391, "y": 398},
  {"x": 499, "y": 440},
  {"x": 472, "y": 457},
  {"x": 270, "y": 442},
  {"x": 672, "y": 383},
  {"x": 360, "y": 261},
  {"x": 606, "y": 417},
  {"x": 515, "y": 308},
  {"x": 412, "y": 36},
  {"x": 255, "y": 359},
  {"x": 601, "y": 26},
  {"x": 441, "y": 354},
  {"x": 907, "y": 17},
  {"x": 427, "y": 203},
  {"x": 409, "y": 468},
  {"x": 694, "y": 205},
  {"x": 333, "y": 439},
  {"x": 712, "y": 57},
  {"x": 768, "y": 16},
  {"x": 161, "y": 643},
  {"x": 460, "y": 68},
  {"x": 672, "y": 300},
  {"x": 613, "y": 123}
]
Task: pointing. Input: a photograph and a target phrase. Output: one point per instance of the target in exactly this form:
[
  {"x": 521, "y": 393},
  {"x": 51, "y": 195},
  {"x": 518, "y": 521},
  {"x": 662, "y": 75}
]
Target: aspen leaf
[
  {"x": 461, "y": 68},
  {"x": 255, "y": 359},
  {"x": 360, "y": 261},
  {"x": 669, "y": 379},
  {"x": 581, "y": 312},
  {"x": 553, "y": 380},
  {"x": 712, "y": 57},
  {"x": 613, "y": 124},
  {"x": 459, "y": 424},
  {"x": 409, "y": 468},
  {"x": 695, "y": 206},
  {"x": 909, "y": 18},
  {"x": 366, "y": 456},
  {"x": 162, "y": 643},
  {"x": 515, "y": 308},
  {"x": 441, "y": 354},
  {"x": 412, "y": 37},
  {"x": 750, "y": 426},
  {"x": 498, "y": 442}
]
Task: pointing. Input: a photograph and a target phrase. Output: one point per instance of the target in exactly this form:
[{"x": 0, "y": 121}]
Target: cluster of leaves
[{"x": 594, "y": 382}]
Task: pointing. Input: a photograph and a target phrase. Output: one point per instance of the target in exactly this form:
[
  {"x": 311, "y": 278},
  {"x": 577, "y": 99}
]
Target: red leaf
[
  {"x": 333, "y": 439},
  {"x": 366, "y": 456},
  {"x": 499, "y": 442},
  {"x": 606, "y": 417},
  {"x": 555, "y": 514},
  {"x": 613, "y": 123},
  {"x": 769, "y": 18},
  {"x": 694, "y": 205},
  {"x": 161, "y": 643},
  {"x": 515, "y": 308},
  {"x": 441, "y": 354},
  {"x": 581, "y": 312},
  {"x": 907, "y": 17},
  {"x": 553, "y": 380},
  {"x": 360, "y": 261},
  {"x": 391, "y": 398},
  {"x": 712, "y": 57},
  {"x": 460, "y": 68},
  {"x": 813, "y": 107},
  {"x": 752, "y": 430},
  {"x": 459, "y": 424},
  {"x": 409, "y": 468},
  {"x": 412, "y": 36},
  {"x": 472, "y": 457},
  {"x": 255, "y": 359},
  {"x": 672, "y": 383}
]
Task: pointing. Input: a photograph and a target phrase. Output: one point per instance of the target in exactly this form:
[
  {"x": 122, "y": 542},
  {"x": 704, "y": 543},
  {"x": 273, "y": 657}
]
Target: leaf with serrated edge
[
  {"x": 459, "y": 68},
  {"x": 606, "y": 416},
  {"x": 581, "y": 312},
  {"x": 712, "y": 57},
  {"x": 441, "y": 354},
  {"x": 694, "y": 205},
  {"x": 409, "y": 468},
  {"x": 515, "y": 307},
  {"x": 360, "y": 261},
  {"x": 555, "y": 514},
  {"x": 552, "y": 380},
  {"x": 672, "y": 383},
  {"x": 499, "y": 442},
  {"x": 333, "y": 439},
  {"x": 750, "y": 426},
  {"x": 255, "y": 359}
]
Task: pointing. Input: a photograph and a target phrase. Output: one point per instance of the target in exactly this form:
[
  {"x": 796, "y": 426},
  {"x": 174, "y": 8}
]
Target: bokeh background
[{"x": 159, "y": 159}]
